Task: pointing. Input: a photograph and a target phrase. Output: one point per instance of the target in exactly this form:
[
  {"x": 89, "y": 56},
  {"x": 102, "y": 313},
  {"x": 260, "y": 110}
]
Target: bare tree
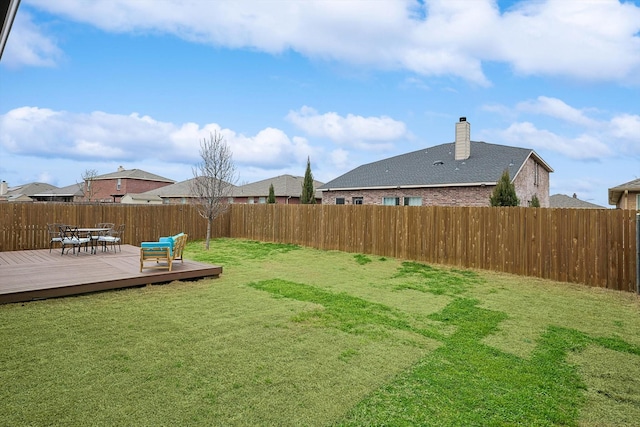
[
  {"x": 214, "y": 179},
  {"x": 88, "y": 190}
]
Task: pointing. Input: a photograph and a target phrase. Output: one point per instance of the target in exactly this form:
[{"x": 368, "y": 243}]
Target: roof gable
[{"x": 436, "y": 166}]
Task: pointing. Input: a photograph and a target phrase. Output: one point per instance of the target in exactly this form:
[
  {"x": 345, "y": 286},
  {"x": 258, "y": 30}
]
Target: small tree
[
  {"x": 535, "y": 202},
  {"x": 87, "y": 187},
  {"x": 308, "y": 195},
  {"x": 505, "y": 192},
  {"x": 272, "y": 195},
  {"x": 213, "y": 180}
]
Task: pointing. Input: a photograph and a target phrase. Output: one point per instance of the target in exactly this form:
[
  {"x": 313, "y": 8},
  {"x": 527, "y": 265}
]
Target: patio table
[{"x": 93, "y": 233}]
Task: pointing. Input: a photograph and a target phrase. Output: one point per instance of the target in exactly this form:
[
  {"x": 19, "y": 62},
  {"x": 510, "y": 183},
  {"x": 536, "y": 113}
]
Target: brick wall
[
  {"x": 526, "y": 184},
  {"x": 104, "y": 189},
  {"x": 440, "y": 196}
]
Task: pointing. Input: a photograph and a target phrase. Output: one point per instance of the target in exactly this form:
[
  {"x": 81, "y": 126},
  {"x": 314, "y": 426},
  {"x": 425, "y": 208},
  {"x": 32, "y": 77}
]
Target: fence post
[{"x": 638, "y": 253}]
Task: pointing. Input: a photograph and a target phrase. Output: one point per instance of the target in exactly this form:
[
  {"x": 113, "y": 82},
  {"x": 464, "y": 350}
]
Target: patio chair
[
  {"x": 54, "y": 234},
  {"x": 108, "y": 226},
  {"x": 114, "y": 237},
  {"x": 70, "y": 237}
]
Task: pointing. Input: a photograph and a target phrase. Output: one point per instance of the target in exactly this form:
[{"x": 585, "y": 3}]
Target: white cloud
[
  {"x": 357, "y": 131},
  {"x": 100, "y": 137},
  {"x": 28, "y": 45},
  {"x": 592, "y": 138},
  {"x": 627, "y": 126},
  {"x": 525, "y": 134},
  {"x": 558, "y": 109},
  {"x": 590, "y": 40}
]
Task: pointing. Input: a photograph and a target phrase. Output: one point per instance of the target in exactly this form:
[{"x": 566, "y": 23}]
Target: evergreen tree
[
  {"x": 505, "y": 192},
  {"x": 272, "y": 195},
  {"x": 308, "y": 195},
  {"x": 535, "y": 202}
]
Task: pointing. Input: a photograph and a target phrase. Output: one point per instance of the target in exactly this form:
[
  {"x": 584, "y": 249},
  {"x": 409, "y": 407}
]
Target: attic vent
[{"x": 438, "y": 163}]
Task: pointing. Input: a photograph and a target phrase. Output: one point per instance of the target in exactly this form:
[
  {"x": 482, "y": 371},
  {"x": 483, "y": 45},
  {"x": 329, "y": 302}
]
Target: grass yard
[{"x": 292, "y": 336}]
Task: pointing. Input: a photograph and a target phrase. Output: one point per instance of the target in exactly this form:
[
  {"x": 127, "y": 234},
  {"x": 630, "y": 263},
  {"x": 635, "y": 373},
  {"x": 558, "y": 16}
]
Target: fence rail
[{"x": 595, "y": 247}]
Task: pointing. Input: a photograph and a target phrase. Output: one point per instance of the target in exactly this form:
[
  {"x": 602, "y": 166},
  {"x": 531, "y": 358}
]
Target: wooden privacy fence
[
  {"x": 588, "y": 246},
  {"x": 24, "y": 225},
  {"x": 595, "y": 247}
]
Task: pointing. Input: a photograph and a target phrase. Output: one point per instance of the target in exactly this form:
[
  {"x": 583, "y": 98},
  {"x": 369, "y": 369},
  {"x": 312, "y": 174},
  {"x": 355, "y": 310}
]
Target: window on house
[
  {"x": 119, "y": 184},
  {"x": 250, "y": 200},
  {"x": 391, "y": 201},
  {"x": 536, "y": 174},
  {"x": 339, "y": 200},
  {"x": 413, "y": 201},
  {"x": 230, "y": 200},
  {"x": 262, "y": 200},
  {"x": 357, "y": 200}
]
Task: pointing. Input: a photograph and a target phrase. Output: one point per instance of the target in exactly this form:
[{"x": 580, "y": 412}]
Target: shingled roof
[
  {"x": 134, "y": 174},
  {"x": 436, "y": 167},
  {"x": 283, "y": 186},
  {"x": 179, "y": 189},
  {"x": 564, "y": 201}
]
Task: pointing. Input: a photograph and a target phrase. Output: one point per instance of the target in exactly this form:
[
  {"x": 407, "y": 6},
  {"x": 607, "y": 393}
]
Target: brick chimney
[{"x": 463, "y": 139}]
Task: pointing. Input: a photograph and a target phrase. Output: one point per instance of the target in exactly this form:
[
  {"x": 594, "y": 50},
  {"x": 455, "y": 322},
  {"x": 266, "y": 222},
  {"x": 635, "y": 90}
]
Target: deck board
[{"x": 38, "y": 274}]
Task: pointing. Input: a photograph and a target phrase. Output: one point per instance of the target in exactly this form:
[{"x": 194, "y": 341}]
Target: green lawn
[{"x": 302, "y": 337}]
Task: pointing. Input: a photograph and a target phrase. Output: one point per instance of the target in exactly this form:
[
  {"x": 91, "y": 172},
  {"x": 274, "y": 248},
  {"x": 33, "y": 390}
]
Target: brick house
[
  {"x": 626, "y": 196},
  {"x": 461, "y": 173},
  {"x": 287, "y": 189},
  {"x": 113, "y": 186}
]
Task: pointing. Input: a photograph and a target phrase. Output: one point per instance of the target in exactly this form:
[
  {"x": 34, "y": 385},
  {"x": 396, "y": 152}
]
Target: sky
[{"x": 94, "y": 85}]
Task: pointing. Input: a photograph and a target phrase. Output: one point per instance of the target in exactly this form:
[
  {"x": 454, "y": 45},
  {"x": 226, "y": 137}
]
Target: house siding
[
  {"x": 628, "y": 200},
  {"x": 105, "y": 189},
  {"x": 526, "y": 184}
]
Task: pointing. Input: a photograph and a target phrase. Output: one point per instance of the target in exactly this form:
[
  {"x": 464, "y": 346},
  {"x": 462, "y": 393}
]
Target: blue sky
[{"x": 139, "y": 83}]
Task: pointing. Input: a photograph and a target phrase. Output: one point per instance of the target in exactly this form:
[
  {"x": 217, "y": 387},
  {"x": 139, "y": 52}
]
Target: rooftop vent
[{"x": 438, "y": 163}]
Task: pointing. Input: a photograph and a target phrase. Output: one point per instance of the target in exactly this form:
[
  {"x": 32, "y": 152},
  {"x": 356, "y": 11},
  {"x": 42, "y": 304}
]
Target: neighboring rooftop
[
  {"x": 283, "y": 186},
  {"x": 436, "y": 166},
  {"x": 29, "y": 189},
  {"x": 616, "y": 192},
  {"x": 179, "y": 189},
  {"x": 133, "y": 174},
  {"x": 564, "y": 201}
]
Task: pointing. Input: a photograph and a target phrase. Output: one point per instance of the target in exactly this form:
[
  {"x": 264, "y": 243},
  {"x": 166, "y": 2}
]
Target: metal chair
[
  {"x": 114, "y": 238},
  {"x": 70, "y": 237},
  {"x": 107, "y": 225},
  {"x": 54, "y": 234}
]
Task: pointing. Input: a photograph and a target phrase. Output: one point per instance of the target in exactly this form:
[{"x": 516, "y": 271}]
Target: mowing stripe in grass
[{"x": 342, "y": 311}]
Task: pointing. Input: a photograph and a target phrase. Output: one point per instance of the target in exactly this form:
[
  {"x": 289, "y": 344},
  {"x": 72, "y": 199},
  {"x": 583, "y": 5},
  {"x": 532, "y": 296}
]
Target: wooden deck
[{"x": 38, "y": 274}]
